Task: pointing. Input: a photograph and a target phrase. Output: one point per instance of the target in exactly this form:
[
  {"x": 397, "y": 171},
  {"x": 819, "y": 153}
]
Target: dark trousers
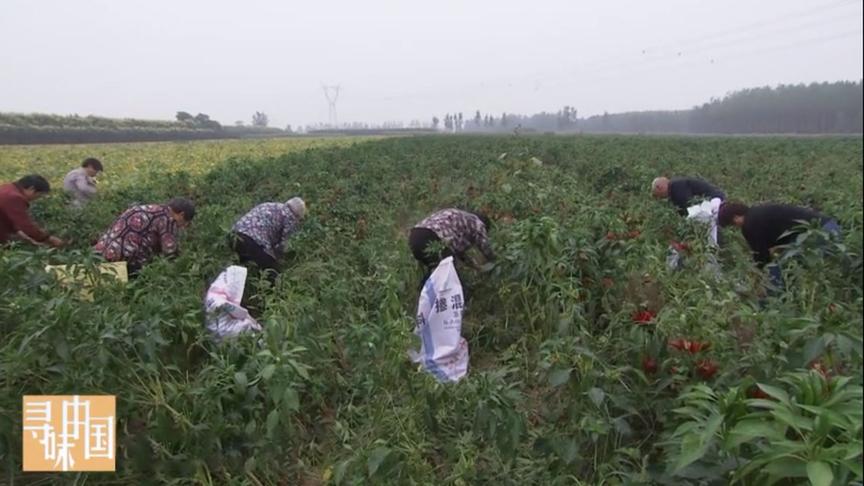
[{"x": 248, "y": 251}]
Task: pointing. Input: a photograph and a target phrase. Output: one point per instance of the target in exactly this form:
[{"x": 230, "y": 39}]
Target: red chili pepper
[
  {"x": 706, "y": 368},
  {"x": 607, "y": 282},
  {"x": 634, "y": 234},
  {"x": 821, "y": 368},
  {"x": 696, "y": 346},
  {"x": 643, "y": 317},
  {"x": 611, "y": 236},
  {"x": 681, "y": 247},
  {"x": 756, "y": 392},
  {"x": 691, "y": 347},
  {"x": 649, "y": 365}
]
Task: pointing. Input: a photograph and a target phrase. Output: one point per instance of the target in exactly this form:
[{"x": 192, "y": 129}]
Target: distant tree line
[
  {"x": 40, "y": 128},
  {"x": 814, "y": 108}
]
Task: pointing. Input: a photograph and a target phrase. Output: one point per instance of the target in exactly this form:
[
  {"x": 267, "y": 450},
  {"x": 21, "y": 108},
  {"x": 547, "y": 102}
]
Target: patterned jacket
[
  {"x": 270, "y": 225},
  {"x": 459, "y": 230},
  {"x": 138, "y": 234}
]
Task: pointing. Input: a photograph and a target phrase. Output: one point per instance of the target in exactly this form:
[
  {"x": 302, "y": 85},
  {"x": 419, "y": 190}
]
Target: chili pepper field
[{"x": 591, "y": 361}]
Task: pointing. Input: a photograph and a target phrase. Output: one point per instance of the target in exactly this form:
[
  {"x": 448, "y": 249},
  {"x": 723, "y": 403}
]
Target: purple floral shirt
[
  {"x": 270, "y": 225},
  {"x": 460, "y": 230}
]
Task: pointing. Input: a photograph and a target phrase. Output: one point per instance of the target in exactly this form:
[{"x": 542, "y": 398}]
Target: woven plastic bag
[
  {"x": 223, "y": 314},
  {"x": 705, "y": 213},
  {"x": 443, "y": 351}
]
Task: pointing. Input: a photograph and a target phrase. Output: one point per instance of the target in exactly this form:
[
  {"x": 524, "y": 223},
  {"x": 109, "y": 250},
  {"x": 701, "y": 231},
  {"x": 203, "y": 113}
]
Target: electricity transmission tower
[{"x": 332, "y": 94}]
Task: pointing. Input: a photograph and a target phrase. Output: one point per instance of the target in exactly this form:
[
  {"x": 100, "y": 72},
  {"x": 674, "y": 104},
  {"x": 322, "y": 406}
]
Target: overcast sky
[{"x": 404, "y": 60}]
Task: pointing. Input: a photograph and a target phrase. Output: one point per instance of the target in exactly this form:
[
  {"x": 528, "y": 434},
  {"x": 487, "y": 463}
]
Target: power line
[
  {"x": 686, "y": 52},
  {"x": 635, "y": 62},
  {"x": 756, "y": 25},
  {"x": 641, "y": 57},
  {"x": 741, "y": 54}
]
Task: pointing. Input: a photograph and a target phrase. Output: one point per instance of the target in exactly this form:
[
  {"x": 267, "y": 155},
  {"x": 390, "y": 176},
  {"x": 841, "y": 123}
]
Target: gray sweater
[{"x": 80, "y": 186}]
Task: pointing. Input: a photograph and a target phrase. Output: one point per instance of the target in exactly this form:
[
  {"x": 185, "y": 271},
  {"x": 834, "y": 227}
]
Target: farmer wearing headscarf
[
  {"x": 260, "y": 235},
  {"x": 449, "y": 232}
]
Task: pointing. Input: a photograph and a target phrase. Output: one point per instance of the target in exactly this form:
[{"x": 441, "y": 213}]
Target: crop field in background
[{"x": 567, "y": 385}]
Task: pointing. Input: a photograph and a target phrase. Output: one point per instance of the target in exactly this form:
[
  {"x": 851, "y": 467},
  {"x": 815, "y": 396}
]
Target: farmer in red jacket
[{"x": 15, "y": 221}]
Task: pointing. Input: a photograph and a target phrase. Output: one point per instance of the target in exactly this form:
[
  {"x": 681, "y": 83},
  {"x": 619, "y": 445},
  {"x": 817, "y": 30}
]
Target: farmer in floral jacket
[
  {"x": 144, "y": 231},
  {"x": 261, "y": 234},
  {"x": 449, "y": 232}
]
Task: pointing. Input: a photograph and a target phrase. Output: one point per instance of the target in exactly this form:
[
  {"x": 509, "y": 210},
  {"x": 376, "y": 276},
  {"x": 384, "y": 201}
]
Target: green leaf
[
  {"x": 559, "y": 377},
  {"x": 300, "y": 369},
  {"x": 747, "y": 430},
  {"x": 290, "y": 400},
  {"x": 597, "y": 396},
  {"x": 376, "y": 457},
  {"x": 786, "y": 467},
  {"x": 813, "y": 349},
  {"x": 819, "y": 473},
  {"x": 268, "y": 371},
  {"x": 775, "y": 393},
  {"x": 566, "y": 449},
  {"x": 854, "y": 466},
  {"x": 853, "y": 451},
  {"x": 793, "y": 420},
  {"x": 761, "y": 403},
  {"x": 694, "y": 447},
  {"x": 340, "y": 470},
  {"x": 691, "y": 451},
  {"x": 712, "y": 427},
  {"x": 240, "y": 379},
  {"x": 272, "y": 422}
]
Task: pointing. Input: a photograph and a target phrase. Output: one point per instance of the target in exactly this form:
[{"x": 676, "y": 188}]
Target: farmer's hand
[
  {"x": 55, "y": 242},
  {"x": 471, "y": 261}
]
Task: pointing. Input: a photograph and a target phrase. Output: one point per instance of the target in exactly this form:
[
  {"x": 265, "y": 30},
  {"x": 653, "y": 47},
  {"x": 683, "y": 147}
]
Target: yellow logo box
[{"x": 68, "y": 433}]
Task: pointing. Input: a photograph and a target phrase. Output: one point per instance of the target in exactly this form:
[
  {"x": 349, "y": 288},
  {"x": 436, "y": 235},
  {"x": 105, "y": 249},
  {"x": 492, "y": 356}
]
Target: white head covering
[
  {"x": 659, "y": 182},
  {"x": 297, "y": 206}
]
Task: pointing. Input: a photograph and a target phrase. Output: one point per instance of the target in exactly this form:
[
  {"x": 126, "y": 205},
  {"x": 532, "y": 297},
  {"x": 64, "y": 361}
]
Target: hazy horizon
[{"x": 400, "y": 62}]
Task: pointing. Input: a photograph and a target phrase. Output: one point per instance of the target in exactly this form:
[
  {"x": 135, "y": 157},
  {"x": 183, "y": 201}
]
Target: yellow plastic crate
[{"x": 67, "y": 274}]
